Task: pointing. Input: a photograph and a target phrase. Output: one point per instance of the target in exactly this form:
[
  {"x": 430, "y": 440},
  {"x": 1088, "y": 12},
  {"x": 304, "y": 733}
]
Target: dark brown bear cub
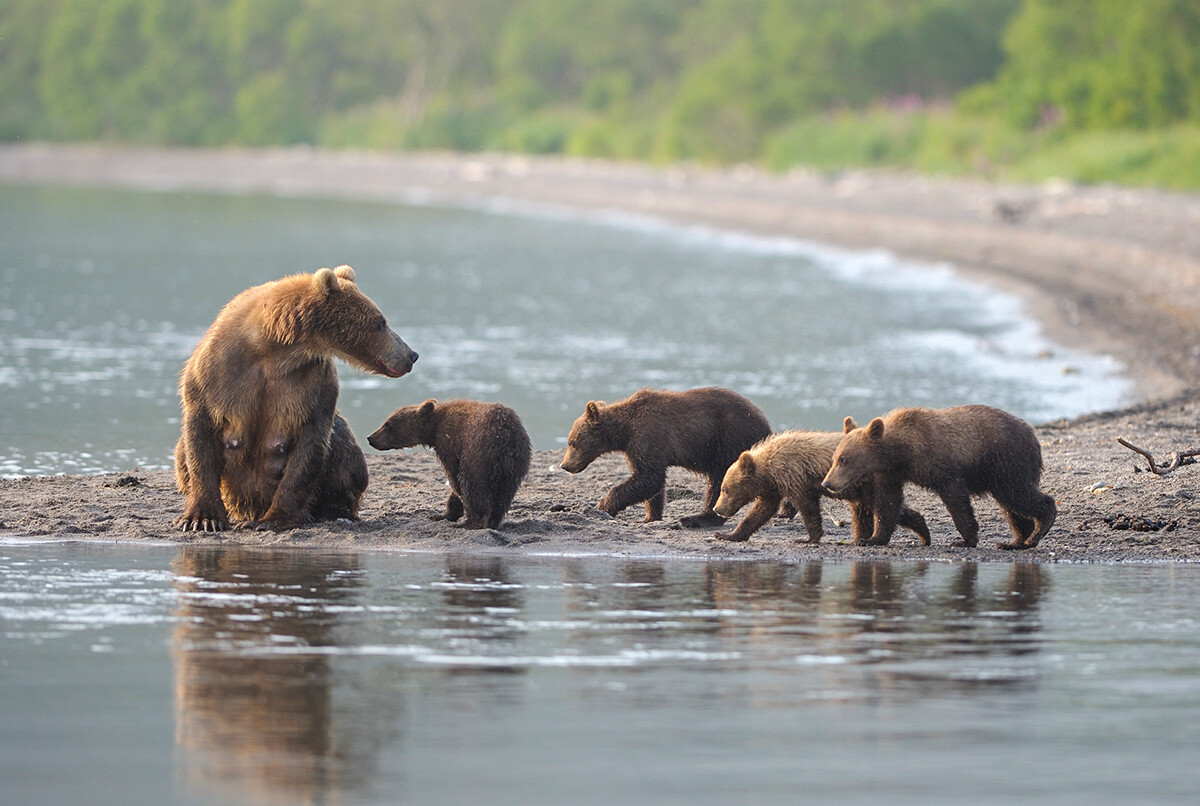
[
  {"x": 956, "y": 452},
  {"x": 483, "y": 448},
  {"x": 262, "y": 442},
  {"x": 702, "y": 430}
]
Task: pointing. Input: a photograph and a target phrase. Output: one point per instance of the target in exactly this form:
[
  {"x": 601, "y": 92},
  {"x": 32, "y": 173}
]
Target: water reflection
[
  {"x": 295, "y": 672},
  {"x": 254, "y": 693}
]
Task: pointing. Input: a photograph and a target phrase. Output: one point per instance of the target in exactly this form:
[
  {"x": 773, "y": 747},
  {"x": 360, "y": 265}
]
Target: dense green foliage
[{"x": 939, "y": 85}]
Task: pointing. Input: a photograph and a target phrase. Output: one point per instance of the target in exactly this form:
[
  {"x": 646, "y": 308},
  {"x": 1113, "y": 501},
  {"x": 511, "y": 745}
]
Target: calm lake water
[
  {"x": 104, "y": 294},
  {"x": 131, "y": 675},
  {"x": 143, "y": 675}
]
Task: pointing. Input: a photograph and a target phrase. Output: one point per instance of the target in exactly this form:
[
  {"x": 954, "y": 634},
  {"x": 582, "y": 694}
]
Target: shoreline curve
[{"x": 1105, "y": 269}]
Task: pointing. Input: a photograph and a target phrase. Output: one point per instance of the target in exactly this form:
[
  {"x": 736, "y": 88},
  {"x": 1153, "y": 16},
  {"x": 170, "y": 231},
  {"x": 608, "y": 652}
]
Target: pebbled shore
[{"x": 1109, "y": 269}]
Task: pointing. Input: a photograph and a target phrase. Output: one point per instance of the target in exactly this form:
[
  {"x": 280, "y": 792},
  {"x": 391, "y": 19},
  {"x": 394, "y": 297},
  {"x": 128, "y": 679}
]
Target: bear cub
[
  {"x": 789, "y": 468},
  {"x": 957, "y": 453},
  {"x": 483, "y": 447},
  {"x": 702, "y": 430},
  {"x": 261, "y": 442}
]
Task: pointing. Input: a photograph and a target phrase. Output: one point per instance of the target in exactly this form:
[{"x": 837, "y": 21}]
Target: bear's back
[
  {"x": 980, "y": 441},
  {"x": 477, "y": 429},
  {"x": 797, "y": 457}
]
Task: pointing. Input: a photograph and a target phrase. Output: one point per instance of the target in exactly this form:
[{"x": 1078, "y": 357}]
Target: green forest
[{"x": 1090, "y": 90}]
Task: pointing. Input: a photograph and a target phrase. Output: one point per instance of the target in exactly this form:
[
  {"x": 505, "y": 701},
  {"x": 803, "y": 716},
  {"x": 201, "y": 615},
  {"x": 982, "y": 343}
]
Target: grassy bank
[{"x": 943, "y": 141}]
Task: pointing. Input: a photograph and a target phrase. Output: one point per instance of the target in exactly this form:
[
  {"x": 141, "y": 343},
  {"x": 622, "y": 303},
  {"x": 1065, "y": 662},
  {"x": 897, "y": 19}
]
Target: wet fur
[
  {"x": 483, "y": 447},
  {"x": 957, "y": 453},
  {"x": 702, "y": 430}
]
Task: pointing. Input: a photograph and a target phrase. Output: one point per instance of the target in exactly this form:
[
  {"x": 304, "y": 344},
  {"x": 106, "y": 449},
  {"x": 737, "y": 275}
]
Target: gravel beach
[{"x": 1108, "y": 269}]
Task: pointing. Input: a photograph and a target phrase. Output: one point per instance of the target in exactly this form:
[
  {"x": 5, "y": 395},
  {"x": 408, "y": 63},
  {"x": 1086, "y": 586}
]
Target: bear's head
[
  {"x": 590, "y": 437},
  {"x": 330, "y": 316},
  {"x": 858, "y": 456},
  {"x": 744, "y": 481},
  {"x": 407, "y": 426}
]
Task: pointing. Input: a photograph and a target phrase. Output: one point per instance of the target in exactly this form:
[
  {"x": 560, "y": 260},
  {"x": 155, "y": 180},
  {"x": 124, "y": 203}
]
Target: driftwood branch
[{"x": 1174, "y": 460}]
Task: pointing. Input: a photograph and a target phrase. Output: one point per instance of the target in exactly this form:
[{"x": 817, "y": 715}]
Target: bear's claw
[{"x": 201, "y": 524}]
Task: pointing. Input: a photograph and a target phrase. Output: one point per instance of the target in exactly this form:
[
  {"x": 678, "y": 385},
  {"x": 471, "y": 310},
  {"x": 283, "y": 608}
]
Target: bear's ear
[
  {"x": 326, "y": 282},
  {"x": 746, "y": 463},
  {"x": 875, "y": 429},
  {"x": 593, "y": 410},
  {"x": 427, "y": 407},
  {"x": 345, "y": 272},
  {"x": 849, "y": 425}
]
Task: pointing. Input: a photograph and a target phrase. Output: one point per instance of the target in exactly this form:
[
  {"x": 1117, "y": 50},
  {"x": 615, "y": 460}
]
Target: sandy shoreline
[{"x": 1106, "y": 269}]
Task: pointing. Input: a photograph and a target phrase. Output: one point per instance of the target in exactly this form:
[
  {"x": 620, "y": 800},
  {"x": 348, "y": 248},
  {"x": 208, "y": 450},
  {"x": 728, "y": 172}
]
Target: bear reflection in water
[{"x": 252, "y": 712}]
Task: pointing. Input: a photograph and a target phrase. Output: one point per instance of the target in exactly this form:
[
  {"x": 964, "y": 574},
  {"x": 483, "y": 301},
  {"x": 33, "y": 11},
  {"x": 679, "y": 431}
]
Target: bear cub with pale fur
[
  {"x": 483, "y": 447},
  {"x": 957, "y": 453},
  {"x": 789, "y": 468},
  {"x": 702, "y": 430},
  {"x": 262, "y": 443}
]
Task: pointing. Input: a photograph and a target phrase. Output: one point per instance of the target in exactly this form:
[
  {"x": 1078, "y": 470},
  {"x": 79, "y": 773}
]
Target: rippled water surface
[
  {"x": 132, "y": 675},
  {"x": 104, "y": 294}
]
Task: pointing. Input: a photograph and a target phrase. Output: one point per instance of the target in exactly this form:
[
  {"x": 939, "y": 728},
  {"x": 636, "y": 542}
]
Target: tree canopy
[{"x": 713, "y": 80}]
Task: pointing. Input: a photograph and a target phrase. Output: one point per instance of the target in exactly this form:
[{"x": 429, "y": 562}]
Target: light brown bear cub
[
  {"x": 788, "y": 468},
  {"x": 262, "y": 442},
  {"x": 956, "y": 452},
  {"x": 483, "y": 447},
  {"x": 703, "y": 430}
]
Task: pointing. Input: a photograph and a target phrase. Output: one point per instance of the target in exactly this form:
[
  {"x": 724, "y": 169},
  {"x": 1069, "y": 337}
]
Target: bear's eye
[{"x": 381, "y": 323}]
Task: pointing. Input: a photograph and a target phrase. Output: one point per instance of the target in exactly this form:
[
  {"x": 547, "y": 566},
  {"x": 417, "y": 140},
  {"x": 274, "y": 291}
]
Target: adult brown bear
[
  {"x": 262, "y": 442},
  {"x": 703, "y": 430},
  {"x": 956, "y": 452}
]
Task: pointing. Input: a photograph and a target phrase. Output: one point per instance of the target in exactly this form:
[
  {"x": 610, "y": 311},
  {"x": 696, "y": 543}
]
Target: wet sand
[{"x": 1106, "y": 269}]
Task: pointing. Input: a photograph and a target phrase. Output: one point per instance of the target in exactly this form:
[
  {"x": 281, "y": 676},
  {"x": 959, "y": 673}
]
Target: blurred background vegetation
[{"x": 1091, "y": 90}]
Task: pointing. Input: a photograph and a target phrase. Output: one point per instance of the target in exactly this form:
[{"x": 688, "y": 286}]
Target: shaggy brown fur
[
  {"x": 483, "y": 447},
  {"x": 789, "y": 467},
  {"x": 956, "y": 452},
  {"x": 702, "y": 430},
  {"x": 262, "y": 442}
]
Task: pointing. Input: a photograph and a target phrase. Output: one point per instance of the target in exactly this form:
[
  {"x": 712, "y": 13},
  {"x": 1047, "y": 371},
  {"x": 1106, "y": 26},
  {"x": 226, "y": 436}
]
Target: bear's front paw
[
  {"x": 191, "y": 521},
  {"x": 732, "y": 537}
]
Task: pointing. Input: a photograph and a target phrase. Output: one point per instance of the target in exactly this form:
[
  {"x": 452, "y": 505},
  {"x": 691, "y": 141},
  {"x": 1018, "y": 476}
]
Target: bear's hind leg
[
  {"x": 655, "y": 504},
  {"x": 706, "y": 517},
  {"x": 915, "y": 522},
  {"x": 454, "y": 509},
  {"x": 1030, "y": 515},
  {"x": 957, "y": 499},
  {"x": 340, "y": 491}
]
